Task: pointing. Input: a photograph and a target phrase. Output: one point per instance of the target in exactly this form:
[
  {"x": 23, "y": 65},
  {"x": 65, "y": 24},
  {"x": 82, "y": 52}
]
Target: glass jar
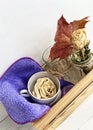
[
  {"x": 62, "y": 68},
  {"x": 86, "y": 65},
  {"x": 57, "y": 66}
]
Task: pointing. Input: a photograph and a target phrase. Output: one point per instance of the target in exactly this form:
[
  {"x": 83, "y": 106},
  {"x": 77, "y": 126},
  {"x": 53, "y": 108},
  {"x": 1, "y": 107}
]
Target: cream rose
[
  {"x": 79, "y": 39},
  {"x": 44, "y": 88}
]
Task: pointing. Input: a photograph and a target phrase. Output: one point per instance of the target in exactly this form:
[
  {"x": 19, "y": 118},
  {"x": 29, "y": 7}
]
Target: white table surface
[
  {"x": 81, "y": 118},
  {"x": 27, "y": 27}
]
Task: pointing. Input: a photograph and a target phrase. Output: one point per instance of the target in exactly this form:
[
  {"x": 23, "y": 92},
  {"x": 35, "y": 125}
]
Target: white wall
[{"x": 27, "y": 27}]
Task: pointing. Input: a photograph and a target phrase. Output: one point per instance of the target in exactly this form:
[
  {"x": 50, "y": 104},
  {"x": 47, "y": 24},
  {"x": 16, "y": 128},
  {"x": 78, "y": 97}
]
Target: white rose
[{"x": 79, "y": 39}]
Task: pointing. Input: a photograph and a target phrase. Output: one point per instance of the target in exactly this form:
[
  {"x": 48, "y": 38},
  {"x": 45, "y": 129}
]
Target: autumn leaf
[{"x": 63, "y": 47}]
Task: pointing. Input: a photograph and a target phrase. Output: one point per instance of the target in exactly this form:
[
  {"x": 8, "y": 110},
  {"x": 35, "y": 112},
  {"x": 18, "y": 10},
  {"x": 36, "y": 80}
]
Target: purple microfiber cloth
[{"x": 20, "y": 109}]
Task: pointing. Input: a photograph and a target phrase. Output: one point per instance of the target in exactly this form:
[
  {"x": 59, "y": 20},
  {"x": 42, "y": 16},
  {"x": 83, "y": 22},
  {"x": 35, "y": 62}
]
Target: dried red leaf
[
  {"x": 60, "y": 51},
  {"x": 78, "y": 24},
  {"x": 63, "y": 46}
]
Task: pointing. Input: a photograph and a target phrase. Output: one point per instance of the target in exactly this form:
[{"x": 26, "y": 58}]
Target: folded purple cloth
[{"x": 20, "y": 109}]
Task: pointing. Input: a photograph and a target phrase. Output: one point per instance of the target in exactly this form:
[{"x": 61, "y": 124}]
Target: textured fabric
[{"x": 20, "y": 109}]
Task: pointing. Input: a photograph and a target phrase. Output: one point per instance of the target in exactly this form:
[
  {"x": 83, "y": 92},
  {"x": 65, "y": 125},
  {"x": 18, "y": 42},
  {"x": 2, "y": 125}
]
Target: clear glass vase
[
  {"x": 62, "y": 68},
  {"x": 86, "y": 65},
  {"x": 57, "y": 66}
]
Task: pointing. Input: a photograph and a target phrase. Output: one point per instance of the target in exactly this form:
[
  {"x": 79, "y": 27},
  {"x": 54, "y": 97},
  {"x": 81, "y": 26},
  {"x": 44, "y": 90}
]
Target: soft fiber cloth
[{"x": 20, "y": 109}]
